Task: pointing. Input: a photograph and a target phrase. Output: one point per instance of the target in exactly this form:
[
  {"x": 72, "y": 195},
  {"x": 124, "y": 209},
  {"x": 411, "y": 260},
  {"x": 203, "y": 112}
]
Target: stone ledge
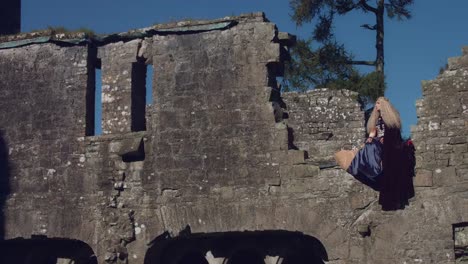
[{"x": 164, "y": 28}]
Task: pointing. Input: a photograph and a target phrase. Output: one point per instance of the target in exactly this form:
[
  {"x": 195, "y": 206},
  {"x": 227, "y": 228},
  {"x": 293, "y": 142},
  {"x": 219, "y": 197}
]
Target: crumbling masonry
[{"x": 220, "y": 168}]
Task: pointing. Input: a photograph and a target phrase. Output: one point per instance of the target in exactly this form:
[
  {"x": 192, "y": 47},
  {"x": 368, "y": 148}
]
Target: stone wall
[
  {"x": 442, "y": 150},
  {"x": 324, "y": 121},
  {"x": 441, "y": 133},
  {"x": 210, "y": 134},
  {"x": 213, "y": 173},
  {"x": 42, "y": 120},
  {"x": 436, "y": 218}
]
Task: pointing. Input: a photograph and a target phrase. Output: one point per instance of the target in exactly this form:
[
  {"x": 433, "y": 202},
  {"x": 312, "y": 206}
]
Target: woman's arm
[{"x": 371, "y": 135}]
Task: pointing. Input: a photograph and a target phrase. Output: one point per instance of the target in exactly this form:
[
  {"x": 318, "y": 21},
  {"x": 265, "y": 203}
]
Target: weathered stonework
[
  {"x": 322, "y": 121},
  {"x": 216, "y": 156}
]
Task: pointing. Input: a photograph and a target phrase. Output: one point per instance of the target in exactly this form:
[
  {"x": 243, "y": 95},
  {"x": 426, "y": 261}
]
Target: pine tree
[{"x": 331, "y": 65}]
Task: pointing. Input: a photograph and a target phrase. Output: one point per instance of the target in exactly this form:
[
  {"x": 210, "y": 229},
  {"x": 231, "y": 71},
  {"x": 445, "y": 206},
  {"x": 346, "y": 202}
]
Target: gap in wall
[
  {"x": 149, "y": 84},
  {"x": 139, "y": 91}
]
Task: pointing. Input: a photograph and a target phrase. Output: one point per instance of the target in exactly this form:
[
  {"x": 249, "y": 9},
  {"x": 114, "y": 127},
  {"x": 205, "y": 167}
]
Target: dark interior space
[
  {"x": 302, "y": 257},
  {"x": 460, "y": 232},
  {"x": 239, "y": 247},
  {"x": 137, "y": 155},
  {"x": 43, "y": 250},
  {"x": 4, "y": 180},
  {"x": 138, "y": 109},
  {"x": 93, "y": 64},
  {"x": 193, "y": 258},
  {"x": 246, "y": 256}
]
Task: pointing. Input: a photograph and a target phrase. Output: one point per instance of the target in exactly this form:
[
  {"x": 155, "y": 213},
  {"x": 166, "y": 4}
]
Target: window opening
[
  {"x": 98, "y": 104},
  {"x": 138, "y": 109},
  {"x": 460, "y": 237},
  {"x": 149, "y": 84},
  {"x": 93, "y": 94}
]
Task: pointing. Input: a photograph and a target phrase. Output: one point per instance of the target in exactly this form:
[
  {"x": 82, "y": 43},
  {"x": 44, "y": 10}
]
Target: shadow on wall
[
  {"x": 249, "y": 247},
  {"x": 291, "y": 139},
  {"x": 4, "y": 180},
  {"x": 43, "y": 250}
]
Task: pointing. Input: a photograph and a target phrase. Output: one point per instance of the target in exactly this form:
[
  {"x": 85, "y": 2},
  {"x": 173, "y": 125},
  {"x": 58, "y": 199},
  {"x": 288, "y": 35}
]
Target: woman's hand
[
  {"x": 371, "y": 135},
  {"x": 381, "y": 140}
]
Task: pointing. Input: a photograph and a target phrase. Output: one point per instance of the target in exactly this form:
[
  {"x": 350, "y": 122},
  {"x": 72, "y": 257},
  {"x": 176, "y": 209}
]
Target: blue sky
[{"x": 414, "y": 49}]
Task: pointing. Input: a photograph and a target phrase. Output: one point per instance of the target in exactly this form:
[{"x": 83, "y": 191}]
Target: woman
[{"x": 385, "y": 163}]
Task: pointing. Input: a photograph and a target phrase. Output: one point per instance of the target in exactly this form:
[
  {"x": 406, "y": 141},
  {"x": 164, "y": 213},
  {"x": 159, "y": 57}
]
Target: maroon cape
[{"x": 396, "y": 183}]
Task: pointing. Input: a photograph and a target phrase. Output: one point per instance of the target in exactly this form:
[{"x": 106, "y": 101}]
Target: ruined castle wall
[
  {"x": 442, "y": 150},
  {"x": 119, "y": 67},
  {"x": 211, "y": 155},
  {"x": 210, "y": 141},
  {"x": 210, "y": 133},
  {"x": 441, "y": 132},
  {"x": 324, "y": 121},
  {"x": 432, "y": 229},
  {"x": 43, "y": 121},
  {"x": 212, "y": 120}
]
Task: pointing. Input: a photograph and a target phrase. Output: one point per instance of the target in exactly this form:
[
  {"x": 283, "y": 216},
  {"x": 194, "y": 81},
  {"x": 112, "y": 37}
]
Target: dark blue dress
[{"x": 367, "y": 164}]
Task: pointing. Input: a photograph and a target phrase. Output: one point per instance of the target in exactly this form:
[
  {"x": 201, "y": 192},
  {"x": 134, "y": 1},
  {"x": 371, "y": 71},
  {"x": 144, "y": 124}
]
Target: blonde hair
[{"x": 389, "y": 114}]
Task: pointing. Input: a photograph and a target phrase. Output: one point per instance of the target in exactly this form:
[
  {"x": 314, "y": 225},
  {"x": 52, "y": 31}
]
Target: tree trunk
[{"x": 379, "y": 44}]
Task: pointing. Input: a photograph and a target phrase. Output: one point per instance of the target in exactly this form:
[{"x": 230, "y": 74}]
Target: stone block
[
  {"x": 281, "y": 135},
  {"x": 273, "y": 181},
  {"x": 423, "y": 179},
  {"x": 285, "y": 171},
  {"x": 455, "y": 159},
  {"x": 264, "y": 93},
  {"x": 286, "y": 38},
  {"x": 296, "y": 157},
  {"x": 445, "y": 176},
  {"x": 438, "y": 141},
  {"x": 455, "y": 63},
  {"x": 136, "y": 166},
  {"x": 462, "y": 173},
  {"x": 304, "y": 171},
  {"x": 443, "y": 148},
  {"x": 280, "y": 157},
  {"x": 270, "y": 259},
  {"x": 457, "y": 140},
  {"x": 361, "y": 200},
  {"x": 419, "y": 162},
  {"x": 120, "y": 165},
  {"x": 453, "y": 123},
  {"x": 364, "y": 230},
  {"x": 128, "y": 145},
  {"x": 273, "y": 54}
]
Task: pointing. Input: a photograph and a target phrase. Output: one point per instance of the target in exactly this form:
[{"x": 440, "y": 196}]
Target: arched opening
[
  {"x": 44, "y": 250},
  {"x": 301, "y": 257},
  {"x": 246, "y": 256},
  {"x": 248, "y": 247},
  {"x": 193, "y": 258}
]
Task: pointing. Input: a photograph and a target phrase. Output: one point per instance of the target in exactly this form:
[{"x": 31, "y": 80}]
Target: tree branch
[
  {"x": 374, "y": 27},
  {"x": 368, "y": 63},
  {"x": 364, "y": 4}
]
